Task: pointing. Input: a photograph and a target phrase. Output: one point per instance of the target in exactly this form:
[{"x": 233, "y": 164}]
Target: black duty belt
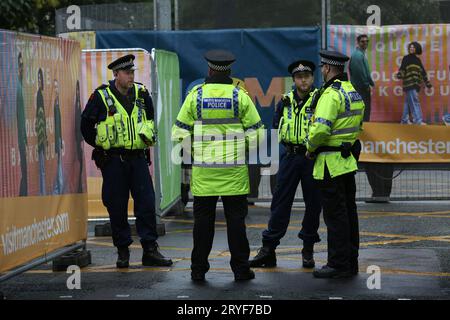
[
  {"x": 296, "y": 149},
  {"x": 125, "y": 154}
]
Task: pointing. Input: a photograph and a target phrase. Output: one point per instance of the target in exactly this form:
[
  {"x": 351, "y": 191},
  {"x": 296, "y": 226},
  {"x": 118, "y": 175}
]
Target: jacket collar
[
  {"x": 219, "y": 78},
  {"x": 341, "y": 77}
]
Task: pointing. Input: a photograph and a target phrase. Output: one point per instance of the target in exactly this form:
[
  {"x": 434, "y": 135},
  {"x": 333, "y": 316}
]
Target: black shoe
[
  {"x": 265, "y": 258},
  {"x": 308, "y": 259},
  {"x": 152, "y": 257},
  {"x": 123, "y": 259},
  {"x": 242, "y": 276},
  {"x": 331, "y": 273},
  {"x": 197, "y": 276},
  {"x": 376, "y": 199}
]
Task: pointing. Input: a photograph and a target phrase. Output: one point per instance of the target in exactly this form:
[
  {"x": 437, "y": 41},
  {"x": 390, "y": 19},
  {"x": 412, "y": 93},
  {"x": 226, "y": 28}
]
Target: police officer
[
  {"x": 332, "y": 141},
  {"x": 222, "y": 119},
  {"x": 291, "y": 119},
  {"x": 118, "y": 123}
]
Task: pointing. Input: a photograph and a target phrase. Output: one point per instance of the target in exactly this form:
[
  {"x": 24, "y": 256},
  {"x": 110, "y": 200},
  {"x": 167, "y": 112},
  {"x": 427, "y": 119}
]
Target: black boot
[
  {"x": 331, "y": 273},
  {"x": 152, "y": 256},
  {"x": 123, "y": 259},
  {"x": 308, "y": 258},
  {"x": 266, "y": 257},
  {"x": 242, "y": 276}
]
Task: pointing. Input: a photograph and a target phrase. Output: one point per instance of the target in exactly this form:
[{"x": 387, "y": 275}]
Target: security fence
[
  {"x": 409, "y": 182},
  {"x": 117, "y": 16}
]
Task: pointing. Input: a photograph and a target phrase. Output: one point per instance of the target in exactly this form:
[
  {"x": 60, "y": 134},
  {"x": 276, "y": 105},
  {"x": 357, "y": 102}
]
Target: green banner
[{"x": 167, "y": 107}]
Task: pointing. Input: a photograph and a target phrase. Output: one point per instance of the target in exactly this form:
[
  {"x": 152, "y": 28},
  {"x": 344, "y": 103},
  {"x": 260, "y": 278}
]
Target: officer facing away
[
  {"x": 222, "y": 120},
  {"x": 292, "y": 119},
  {"x": 118, "y": 123},
  {"x": 332, "y": 141}
]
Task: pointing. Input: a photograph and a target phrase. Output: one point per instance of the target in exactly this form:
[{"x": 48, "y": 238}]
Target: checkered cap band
[
  {"x": 124, "y": 64},
  {"x": 219, "y": 68},
  {"x": 301, "y": 68},
  {"x": 332, "y": 62}
]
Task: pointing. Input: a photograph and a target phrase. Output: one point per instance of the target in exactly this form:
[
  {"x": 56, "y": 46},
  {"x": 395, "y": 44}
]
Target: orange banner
[
  {"x": 387, "y": 142},
  {"x": 31, "y": 227}
]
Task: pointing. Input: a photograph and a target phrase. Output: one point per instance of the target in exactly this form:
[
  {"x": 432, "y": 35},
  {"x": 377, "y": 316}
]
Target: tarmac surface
[{"x": 408, "y": 241}]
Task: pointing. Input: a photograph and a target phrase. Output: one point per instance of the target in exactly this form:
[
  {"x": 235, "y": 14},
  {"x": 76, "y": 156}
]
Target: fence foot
[
  {"x": 103, "y": 230},
  {"x": 81, "y": 258}
]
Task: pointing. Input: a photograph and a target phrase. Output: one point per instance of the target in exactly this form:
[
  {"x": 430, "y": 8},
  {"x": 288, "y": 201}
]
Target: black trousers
[
  {"x": 120, "y": 177},
  {"x": 294, "y": 168},
  {"x": 380, "y": 178},
  {"x": 341, "y": 217},
  {"x": 236, "y": 210}
]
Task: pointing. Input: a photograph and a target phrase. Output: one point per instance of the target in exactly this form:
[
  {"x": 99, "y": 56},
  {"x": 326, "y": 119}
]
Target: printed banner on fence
[
  {"x": 167, "y": 108},
  {"x": 262, "y": 56},
  {"x": 95, "y": 72},
  {"x": 85, "y": 38},
  {"x": 397, "y": 143},
  {"x": 387, "y": 46},
  {"x": 42, "y": 176}
]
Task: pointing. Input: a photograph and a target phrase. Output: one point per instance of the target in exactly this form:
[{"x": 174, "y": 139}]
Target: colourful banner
[
  {"x": 167, "y": 107},
  {"x": 43, "y": 183},
  {"x": 389, "y": 142},
  {"x": 387, "y": 46},
  {"x": 85, "y": 38},
  {"x": 95, "y": 72}
]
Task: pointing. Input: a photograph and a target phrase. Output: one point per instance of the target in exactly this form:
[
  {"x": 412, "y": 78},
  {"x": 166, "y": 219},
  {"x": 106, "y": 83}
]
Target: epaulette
[
  {"x": 195, "y": 88},
  {"x": 336, "y": 85},
  {"x": 141, "y": 86},
  {"x": 241, "y": 88},
  {"x": 286, "y": 100},
  {"x": 103, "y": 86}
]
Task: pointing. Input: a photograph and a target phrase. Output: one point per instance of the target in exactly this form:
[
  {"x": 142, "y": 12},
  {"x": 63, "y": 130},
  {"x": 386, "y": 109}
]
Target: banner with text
[
  {"x": 389, "y": 142},
  {"x": 43, "y": 182},
  {"x": 387, "y": 46}
]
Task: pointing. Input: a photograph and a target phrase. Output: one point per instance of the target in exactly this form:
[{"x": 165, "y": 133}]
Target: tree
[{"x": 38, "y": 16}]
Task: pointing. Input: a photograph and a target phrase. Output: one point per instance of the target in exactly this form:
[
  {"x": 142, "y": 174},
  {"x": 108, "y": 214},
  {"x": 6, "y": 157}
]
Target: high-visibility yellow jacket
[
  {"x": 337, "y": 119},
  {"x": 120, "y": 130},
  {"x": 224, "y": 123}
]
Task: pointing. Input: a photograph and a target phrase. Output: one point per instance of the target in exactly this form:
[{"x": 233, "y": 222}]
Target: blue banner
[{"x": 263, "y": 56}]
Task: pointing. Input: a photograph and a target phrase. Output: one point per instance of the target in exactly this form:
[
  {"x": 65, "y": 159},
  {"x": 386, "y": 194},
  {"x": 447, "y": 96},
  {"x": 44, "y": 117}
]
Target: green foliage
[{"x": 38, "y": 16}]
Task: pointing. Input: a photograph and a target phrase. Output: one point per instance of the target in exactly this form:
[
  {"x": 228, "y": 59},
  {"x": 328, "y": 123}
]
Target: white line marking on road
[
  {"x": 122, "y": 295},
  {"x": 406, "y": 299},
  {"x": 335, "y": 298},
  {"x": 65, "y": 297},
  {"x": 182, "y": 297},
  {"x": 266, "y": 297}
]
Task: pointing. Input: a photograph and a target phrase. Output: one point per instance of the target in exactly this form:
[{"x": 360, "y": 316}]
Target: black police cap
[
  {"x": 301, "y": 66},
  {"x": 219, "y": 60},
  {"x": 333, "y": 58},
  {"x": 123, "y": 63}
]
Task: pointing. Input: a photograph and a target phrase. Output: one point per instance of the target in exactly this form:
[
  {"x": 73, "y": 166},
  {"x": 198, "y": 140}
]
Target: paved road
[{"x": 409, "y": 242}]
